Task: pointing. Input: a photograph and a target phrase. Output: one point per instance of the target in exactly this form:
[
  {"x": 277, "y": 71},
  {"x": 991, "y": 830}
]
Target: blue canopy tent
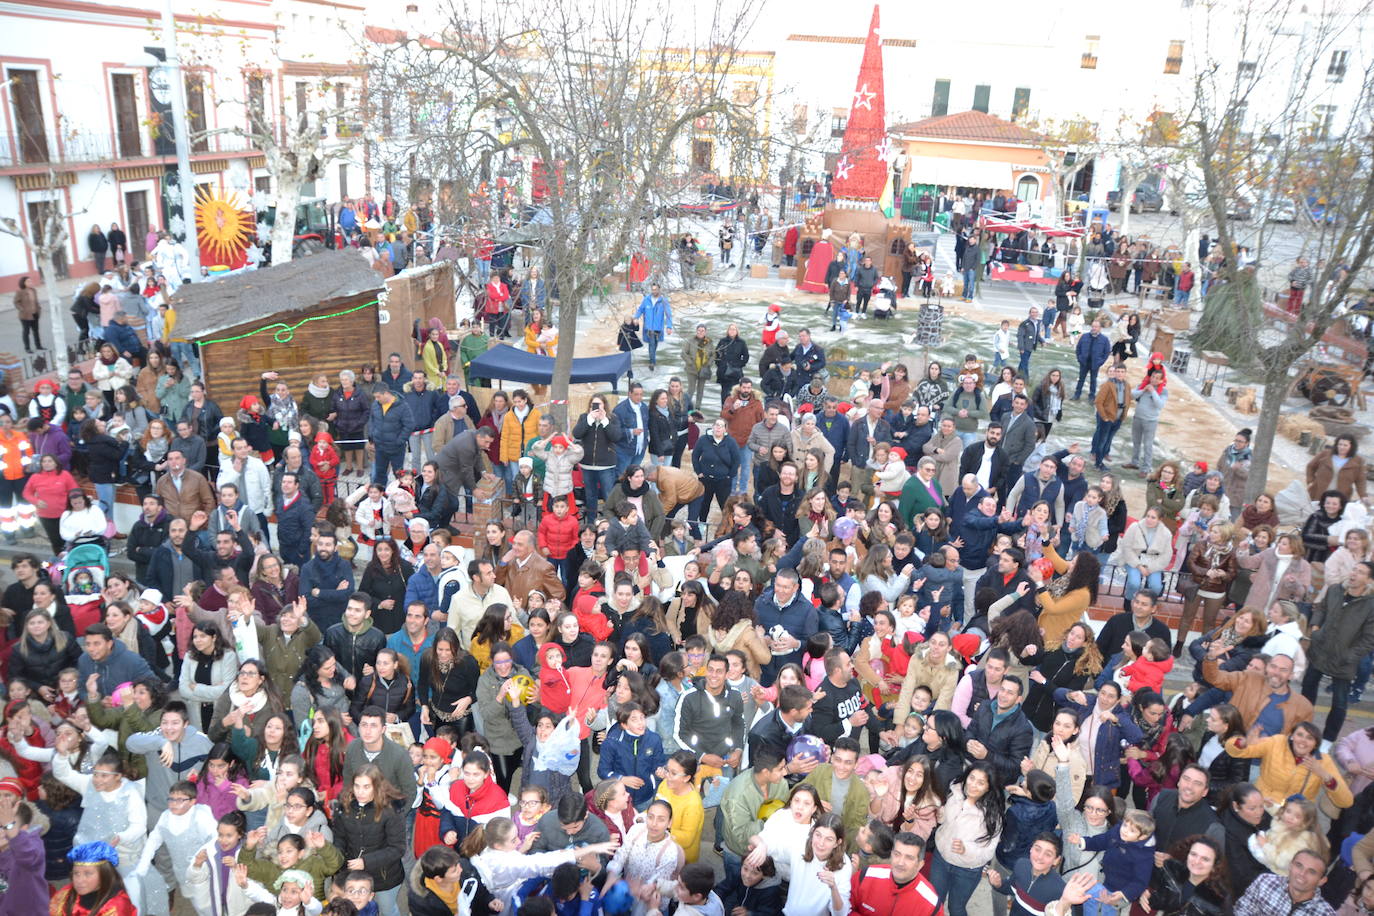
[{"x": 511, "y": 365}]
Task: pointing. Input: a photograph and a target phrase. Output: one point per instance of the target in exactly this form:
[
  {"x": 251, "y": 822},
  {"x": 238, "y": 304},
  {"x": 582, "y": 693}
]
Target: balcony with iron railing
[{"x": 19, "y": 149}]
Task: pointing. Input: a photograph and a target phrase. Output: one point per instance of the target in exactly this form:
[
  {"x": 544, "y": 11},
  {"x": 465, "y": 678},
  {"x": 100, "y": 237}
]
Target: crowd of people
[{"x": 873, "y": 672}]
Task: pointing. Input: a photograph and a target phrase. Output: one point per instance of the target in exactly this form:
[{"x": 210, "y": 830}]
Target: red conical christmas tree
[{"x": 861, "y": 172}]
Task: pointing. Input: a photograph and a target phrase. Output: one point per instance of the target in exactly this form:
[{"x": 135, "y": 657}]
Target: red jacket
[
  {"x": 589, "y": 619},
  {"x": 553, "y": 684},
  {"x": 328, "y": 786},
  {"x": 874, "y": 893},
  {"x": 558, "y": 535}
]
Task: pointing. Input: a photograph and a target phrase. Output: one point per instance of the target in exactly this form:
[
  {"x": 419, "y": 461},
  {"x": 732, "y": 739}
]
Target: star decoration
[
  {"x": 863, "y": 98},
  {"x": 885, "y": 150},
  {"x": 843, "y": 167}
]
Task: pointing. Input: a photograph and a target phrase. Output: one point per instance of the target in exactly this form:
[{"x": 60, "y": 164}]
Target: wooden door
[
  {"x": 195, "y": 113},
  {"x": 40, "y": 211},
  {"x": 136, "y": 210},
  {"x": 128, "y": 141},
  {"x": 28, "y": 115}
]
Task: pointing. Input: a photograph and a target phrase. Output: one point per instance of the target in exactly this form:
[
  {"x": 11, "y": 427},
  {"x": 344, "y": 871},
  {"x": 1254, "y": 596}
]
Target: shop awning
[
  {"x": 960, "y": 173},
  {"x": 508, "y": 364}
]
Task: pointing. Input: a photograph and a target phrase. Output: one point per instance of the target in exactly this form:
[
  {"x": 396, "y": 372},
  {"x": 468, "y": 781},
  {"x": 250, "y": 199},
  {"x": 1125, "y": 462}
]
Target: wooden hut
[{"x": 316, "y": 314}]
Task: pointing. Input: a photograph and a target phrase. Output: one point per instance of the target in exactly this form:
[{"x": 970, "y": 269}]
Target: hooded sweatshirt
[{"x": 554, "y": 690}]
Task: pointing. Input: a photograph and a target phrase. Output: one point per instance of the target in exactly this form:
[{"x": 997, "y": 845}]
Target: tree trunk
[
  {"x": 1275, "y": 391},
  {"x": 284, "y": 222},
  {"x": 57, "y": 315},
  {"x": 569, "y": 305}
]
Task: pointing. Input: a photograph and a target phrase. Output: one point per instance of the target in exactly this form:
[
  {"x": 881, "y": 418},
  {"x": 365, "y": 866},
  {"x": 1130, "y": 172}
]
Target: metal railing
[{"x": 84, "y": 146}]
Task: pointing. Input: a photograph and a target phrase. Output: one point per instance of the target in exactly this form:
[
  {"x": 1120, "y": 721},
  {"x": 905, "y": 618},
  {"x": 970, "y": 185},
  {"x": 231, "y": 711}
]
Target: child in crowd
[
  {"x": 1075, "y": 324},
  {"x": 889, "y": 464},
  {"x": 1147, "y": 672},
  {"x": 1001, "y": 345},
  {"x": 1295, "y": 829},
  {"x": 679, "y": 543},
  {"x": 861, "y": 384},
  {"x": 324, "y": 461},
  {"x": 1127, "y": 863},
  {"x": 772, "y": 323},
  {"x": 558, "y": 534},
  {"x": 813, "y": 658},
  {"x": 1088, "y": 523}
]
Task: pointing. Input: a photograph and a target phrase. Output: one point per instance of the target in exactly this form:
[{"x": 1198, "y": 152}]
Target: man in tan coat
[
  {"x": 184, "y": 491},
  {"x": 936, "y": 667},
  {"x": 946, "y": 448},
  {"x": 523, "y": 570},
  {"x": 676, "y": 487},
  {"x": 1113, "y": 402},
  {"x": 1252, "y": 692}
]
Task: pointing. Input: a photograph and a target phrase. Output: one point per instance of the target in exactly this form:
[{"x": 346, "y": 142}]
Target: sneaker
[{"x": 1326, "y": 747}]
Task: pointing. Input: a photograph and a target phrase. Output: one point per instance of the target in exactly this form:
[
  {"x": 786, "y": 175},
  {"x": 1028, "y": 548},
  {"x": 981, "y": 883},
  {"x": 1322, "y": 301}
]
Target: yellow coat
[
  {"x": 1280, "y": 775},
  {"x": 688, "y": 819},
  {"x": 482, "y": 651},
  {"x": 1058, "y": 614},
  {"x": 436, "y": 364},
  {"x": 514, "y": 435}
]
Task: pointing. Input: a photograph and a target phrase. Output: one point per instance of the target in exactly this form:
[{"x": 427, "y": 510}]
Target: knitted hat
[
  {"x": 12, "y": 786},
  {"x": 151, "y": 595},
  {"x": 560, "y": 439},
  {"x": 775, "y": 307}
]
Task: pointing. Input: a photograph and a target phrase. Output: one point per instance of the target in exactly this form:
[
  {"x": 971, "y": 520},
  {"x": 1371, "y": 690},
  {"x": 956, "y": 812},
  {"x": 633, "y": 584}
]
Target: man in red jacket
[{"x": 884, "y": 890}]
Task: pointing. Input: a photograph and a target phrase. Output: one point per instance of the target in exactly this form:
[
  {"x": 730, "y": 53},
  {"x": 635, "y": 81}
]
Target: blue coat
[
  {"x": 798, "y": 618},
  {"x": 1093, "y": 349},
  {"x": 657, "y": 313},
  {"x": 293, "y": 530},
  {"x": 716, "y": 459},
  {"x": 119, "y": 667},
  {"x": 1126, "y": 867},
  {"x": 124, "y": 338},
  {"x": 390, "y": 430},
  {"x": 979, "y": 531},
  {"x": 624, "y": 754},
  {"x": 836, "y": 432},
  {"x": 422, "y": 587},
  {"x": 326, "y": 608},
  {"x": 1111, "y": 738},
  {"x": 425, "y": 406},
  {"x": 400, "y": 643}
]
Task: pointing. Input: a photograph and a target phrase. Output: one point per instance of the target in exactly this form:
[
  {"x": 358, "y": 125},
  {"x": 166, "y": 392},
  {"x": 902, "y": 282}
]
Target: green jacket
[
  {"x": 128, "y": 720},
  {"x": 916, "y": 499},
  {"x": 469, "y": 348},
  {"x": 854, "y": 810},
  {"x": 283, "y": 658},
  {"x": 739, "y": 809},
  {"x": 317, "y": 863}
]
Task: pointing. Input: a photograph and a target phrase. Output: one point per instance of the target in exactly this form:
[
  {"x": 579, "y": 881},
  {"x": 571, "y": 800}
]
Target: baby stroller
[{"x": 81, "y": 575}]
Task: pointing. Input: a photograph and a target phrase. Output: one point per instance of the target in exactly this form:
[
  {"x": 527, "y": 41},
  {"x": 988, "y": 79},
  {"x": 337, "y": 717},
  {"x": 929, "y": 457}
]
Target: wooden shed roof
[{"x": 299, "y": 285}]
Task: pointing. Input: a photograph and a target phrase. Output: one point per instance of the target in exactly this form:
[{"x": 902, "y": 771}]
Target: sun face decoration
[{"x": 224, "y": 228}]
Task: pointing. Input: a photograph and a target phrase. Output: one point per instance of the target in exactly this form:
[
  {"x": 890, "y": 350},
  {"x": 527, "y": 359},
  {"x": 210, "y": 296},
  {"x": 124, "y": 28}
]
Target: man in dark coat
[
  {"x": 389, "y": 429},
  {"x": 295, "y": 515},
  {"x": 1027, "y": 339},
  {"x": 1342, "y": 635},
  {"x": 461, "y": 461},
  {"x": 1000, "y": 733}
]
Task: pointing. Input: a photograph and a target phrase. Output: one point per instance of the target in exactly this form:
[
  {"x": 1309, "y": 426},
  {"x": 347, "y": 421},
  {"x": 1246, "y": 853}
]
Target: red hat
[
  {"x": 845, "y": 407},
  {"x": 1201, "y": 466},
  {"x": 775, "y": 307},
  {"x": 1156, "y": 357},
  {"x": 12, "y": 786},
  {"x": 560, "y": 439},
  {"x": 967, "y": 645},
  {"x": 441, "y": 747},
  {"x": 806, "y": 408},
  {"x": 47, "y": 383},
  {"x": 899, "y": 453}
]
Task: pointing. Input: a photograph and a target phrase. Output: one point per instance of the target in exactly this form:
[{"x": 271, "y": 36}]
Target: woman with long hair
[
  {"x": 1209, "y": 734},
  {"x": 321, "y": 684},
  {"x": 733, "y": 627},
  {"x": 495, "y": 626},
  {"x": 908, "y": 797},
  {"x": 324, "y": 752},
  {"x": 1212, "y": 563},
  {"x": 1063, "y": 732},
  {"x": 821, "y": 877},
  {"x": 1048, "y": 399},
  {"x": 370, "y": 833},
  {"x": 1154, "y": 721},
  {"x": 1071, "y": 666},
  {"x": 278, "y": 743},
  {"x": 875, "y": 574},
  {"x": 42, "y": 652},
  {"x": 691, "y": 611},
  {"x": 1066, "y": 597},
  {"x": 111, "y": 372},
  {"x": 932, "y": 390},
  {"x": 389, "y": 687},
  {"x": 208, "y": 670},
  {"x": 274, "y": 585},
  {"x": 1192, "y": 881},
  {"x": 448, "y": 683},
  {"x": 1164, "y": 490},
  {"x": 971, "y": 824},
  {"x": 385, "y": 580},
  {"x": 221, "y": 771},
  {"x": 649, "y": 624}
]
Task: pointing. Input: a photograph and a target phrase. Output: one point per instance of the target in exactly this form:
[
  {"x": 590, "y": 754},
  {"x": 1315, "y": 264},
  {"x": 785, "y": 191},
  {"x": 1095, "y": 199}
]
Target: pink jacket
[{"x": 1355, "y": 753}]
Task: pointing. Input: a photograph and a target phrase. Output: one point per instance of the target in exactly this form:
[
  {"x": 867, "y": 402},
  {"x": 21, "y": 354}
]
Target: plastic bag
[{"x": 561, "y": 751}]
